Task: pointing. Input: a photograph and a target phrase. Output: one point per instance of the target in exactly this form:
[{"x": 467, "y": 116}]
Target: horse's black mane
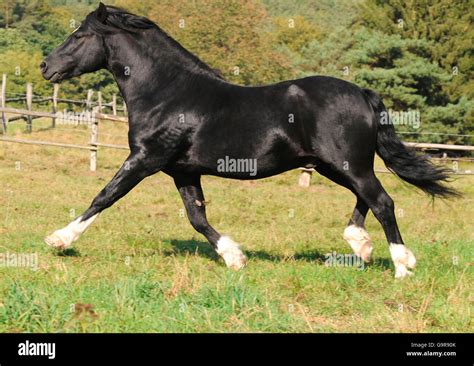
[{"x": 119, "y": 19}]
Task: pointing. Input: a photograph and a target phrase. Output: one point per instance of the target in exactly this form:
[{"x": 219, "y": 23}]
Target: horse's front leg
[
  {"x": 189, "y": 187},
  {"x": 132, "y": 172}
]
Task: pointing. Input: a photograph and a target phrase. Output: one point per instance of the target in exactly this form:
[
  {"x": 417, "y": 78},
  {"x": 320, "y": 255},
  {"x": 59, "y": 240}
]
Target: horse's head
[{"x": 82, "y": 52}]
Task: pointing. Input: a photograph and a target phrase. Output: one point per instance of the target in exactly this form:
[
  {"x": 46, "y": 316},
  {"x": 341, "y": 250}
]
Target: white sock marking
[
  {"x": 403, "y": 259},
  {"x": 231, "y": 253},
  {"x": 360, "y": 242},
  {"x": 63, "y": 238}
]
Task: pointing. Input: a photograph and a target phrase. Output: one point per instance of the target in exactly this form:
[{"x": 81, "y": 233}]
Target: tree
[
  {"x": 446, "y": 24},
  {"x": 419, "y": 55},
  {"x": 39, "y": 28}
]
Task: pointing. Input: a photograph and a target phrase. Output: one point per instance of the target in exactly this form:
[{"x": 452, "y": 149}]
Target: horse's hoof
[
  {"x": 231, "y": 253},
  {"x": 360, "y": 242},
  {"x": 402, "y": 272},
  {"x": 237, "y": 262},
  {"x": 411, "y": 260},
  {"x": 56, "y": 241},
  {"x": 403, "y": 258}
]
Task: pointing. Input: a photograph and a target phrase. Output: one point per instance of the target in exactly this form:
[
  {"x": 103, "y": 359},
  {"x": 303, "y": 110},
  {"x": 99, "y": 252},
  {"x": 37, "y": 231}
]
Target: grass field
[{"x": 142, "y": 268}]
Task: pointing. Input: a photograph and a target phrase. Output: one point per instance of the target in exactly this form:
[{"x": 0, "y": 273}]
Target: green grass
[{"x": 142, "y": 268}]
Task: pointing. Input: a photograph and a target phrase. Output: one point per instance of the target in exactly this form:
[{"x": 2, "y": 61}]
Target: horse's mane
[{"x": 119, "y": 19}]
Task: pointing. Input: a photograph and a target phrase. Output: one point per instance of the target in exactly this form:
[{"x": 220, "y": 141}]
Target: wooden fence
[
  {"x": 29, "y": 99},
  {"x": 96, "y": 107},
  {"x": 93, "y": 145}
]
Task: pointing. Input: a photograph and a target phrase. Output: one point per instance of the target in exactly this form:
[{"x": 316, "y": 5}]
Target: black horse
[{"x": 187, "y": 121}]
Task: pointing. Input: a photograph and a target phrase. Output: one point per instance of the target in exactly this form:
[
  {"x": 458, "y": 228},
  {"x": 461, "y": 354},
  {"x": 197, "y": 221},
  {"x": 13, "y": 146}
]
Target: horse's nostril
[{"x": 43, "y": 66}]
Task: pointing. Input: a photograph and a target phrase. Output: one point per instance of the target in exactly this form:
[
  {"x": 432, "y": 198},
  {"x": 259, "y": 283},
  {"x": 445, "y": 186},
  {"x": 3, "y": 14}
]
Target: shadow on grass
[
  {"x": 70, "y": 252},
  {"x": 382, "y": 263},
  {"x": 204, "y": 249},
  {"x": 193, "y": 247},
  {"x": 44, "y": 129}
]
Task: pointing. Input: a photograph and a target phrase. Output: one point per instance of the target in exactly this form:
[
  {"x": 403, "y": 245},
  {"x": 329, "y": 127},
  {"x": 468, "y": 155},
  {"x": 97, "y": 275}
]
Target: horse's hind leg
[
  {"x": 192, "y": 195},
  {"x": 372, "y": 193},
  {"x": 355, "y": 234}
]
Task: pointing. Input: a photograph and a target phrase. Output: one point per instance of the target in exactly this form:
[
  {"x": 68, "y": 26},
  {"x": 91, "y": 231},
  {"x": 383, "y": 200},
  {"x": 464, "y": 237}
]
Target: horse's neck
[{"x": 152, "y": 67}]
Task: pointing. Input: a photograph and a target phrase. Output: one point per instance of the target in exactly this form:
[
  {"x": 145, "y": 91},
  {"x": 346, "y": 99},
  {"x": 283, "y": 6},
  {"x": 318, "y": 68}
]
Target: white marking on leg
[
  {"x": 360, "y": 242},
  {"x": 403, "y": 259},
  {"x": 63, "y": 238},
  {"x": 231, "y": 253}
]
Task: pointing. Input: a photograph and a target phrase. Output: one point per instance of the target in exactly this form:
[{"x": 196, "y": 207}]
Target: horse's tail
[{"x": 404, "y": 162}]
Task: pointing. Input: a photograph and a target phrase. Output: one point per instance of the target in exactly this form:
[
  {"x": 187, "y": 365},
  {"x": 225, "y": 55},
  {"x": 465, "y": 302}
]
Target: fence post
[
  {"x": 3, "y": 97},
  {"x": 90, "y": 92},
  {"x": 305, "y": 178},
  {"x": 55, "y": 103},
  {"x": 94, "y": 131},
  {"x": 29, "y": 106},
  {"x": 99, "y": 101},
  {"x": 125, "y": 112},
  {"x": 114, "y": 105},
  {"x": 94, "y": 135}
]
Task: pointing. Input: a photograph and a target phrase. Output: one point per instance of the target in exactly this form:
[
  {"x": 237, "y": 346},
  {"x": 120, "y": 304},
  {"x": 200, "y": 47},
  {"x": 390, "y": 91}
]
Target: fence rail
[
  {"x": 427, "y": 146},
  {"x": 40, "y": 99},
  {"x": 40, "y": 114},
  {"x": 48, "y": 143}
]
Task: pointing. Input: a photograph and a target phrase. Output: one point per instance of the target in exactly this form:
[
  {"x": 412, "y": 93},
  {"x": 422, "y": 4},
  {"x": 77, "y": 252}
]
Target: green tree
[
  {"x": 419, "y": 54},
  {"x": 446, "y": 24}
]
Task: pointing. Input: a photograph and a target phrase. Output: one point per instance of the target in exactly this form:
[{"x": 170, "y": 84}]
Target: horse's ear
[{"x": 101, "y": 13}]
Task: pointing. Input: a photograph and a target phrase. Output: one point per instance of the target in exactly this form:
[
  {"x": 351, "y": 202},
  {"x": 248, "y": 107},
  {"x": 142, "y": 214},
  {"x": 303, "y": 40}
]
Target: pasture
[{"x": 142, "y": 268}]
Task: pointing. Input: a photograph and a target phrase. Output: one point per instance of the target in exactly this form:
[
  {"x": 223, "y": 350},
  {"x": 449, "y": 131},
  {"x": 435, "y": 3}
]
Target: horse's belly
[{"x": 242, "y": 163}]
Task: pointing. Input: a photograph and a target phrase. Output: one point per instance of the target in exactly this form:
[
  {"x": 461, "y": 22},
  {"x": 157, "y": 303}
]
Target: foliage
[{"x": 418, "y": 54}]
